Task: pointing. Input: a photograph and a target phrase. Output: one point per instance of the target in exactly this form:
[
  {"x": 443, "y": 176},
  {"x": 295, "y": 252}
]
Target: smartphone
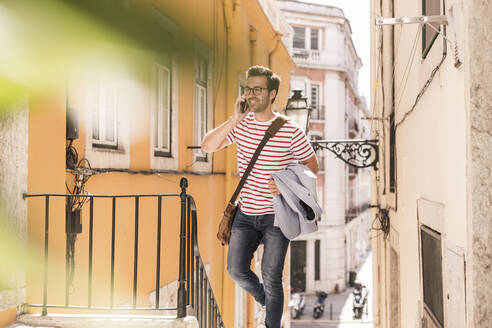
[{"x": 244, "y": 106}]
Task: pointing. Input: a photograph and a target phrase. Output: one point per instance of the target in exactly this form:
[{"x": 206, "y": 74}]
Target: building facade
[
  {"x": 431, "y": 114},
  {"x": 327, "y": 67},
  {"x": 134, "y": 124}
]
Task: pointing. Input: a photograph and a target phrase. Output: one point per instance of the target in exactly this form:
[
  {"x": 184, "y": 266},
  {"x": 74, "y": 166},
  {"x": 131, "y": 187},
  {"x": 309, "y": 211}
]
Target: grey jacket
[{"x": 296, "y": 208}]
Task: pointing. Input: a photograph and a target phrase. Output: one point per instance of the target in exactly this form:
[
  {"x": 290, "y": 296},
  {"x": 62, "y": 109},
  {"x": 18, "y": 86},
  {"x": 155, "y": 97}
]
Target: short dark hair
[{"x": 273, "y": 80}]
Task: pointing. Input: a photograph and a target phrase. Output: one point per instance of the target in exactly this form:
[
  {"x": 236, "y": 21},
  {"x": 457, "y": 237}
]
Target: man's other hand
[{"x": 273, "y": 187}]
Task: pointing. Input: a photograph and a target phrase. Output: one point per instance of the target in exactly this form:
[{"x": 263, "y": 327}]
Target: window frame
[
  {"x": 318, "y": 31},
  {"x": 294, "y": 37},
  {"x": 425, "y": 29},
  {"x": 439, "y": 321},
  {"x": 201, "y": 114},
  {"x": 157, "y": 121},
  {"x": 101, "y": 154},
  {"x": 157, "y": 161},
  {"x": 103, "y": 87},
  {"x": 317, "y": 87},
  {"x": 202, "y": 162}
]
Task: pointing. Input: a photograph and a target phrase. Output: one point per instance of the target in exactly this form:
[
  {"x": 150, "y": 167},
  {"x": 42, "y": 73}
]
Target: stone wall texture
[
  {"x": 13, "y": 209},
  {"x": 480, "y": 161}
]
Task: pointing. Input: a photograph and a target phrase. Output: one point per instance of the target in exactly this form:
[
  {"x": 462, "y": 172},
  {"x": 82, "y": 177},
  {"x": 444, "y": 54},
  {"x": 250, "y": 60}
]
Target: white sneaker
[{"x": 260, "y": 316}]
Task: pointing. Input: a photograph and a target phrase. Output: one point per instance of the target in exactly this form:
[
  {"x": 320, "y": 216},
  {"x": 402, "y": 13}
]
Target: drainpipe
[
  {"x": 228, "y": 6},
  {"x": 276, "y": 39}
]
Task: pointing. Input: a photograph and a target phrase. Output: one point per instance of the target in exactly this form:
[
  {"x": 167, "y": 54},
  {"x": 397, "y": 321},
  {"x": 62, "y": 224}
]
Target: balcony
[{"x": 320, "y": 59}]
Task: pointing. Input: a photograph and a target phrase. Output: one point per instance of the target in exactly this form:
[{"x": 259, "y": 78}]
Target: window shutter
[{"x": 299, "y": 37}]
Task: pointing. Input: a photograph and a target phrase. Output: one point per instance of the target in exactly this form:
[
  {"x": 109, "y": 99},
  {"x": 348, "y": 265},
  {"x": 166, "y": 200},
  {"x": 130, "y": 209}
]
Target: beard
[{"x": 257, "y": 106}]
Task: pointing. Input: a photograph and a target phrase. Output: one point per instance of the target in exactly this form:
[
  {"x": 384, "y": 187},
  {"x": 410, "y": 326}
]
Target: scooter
[
  {"x": 296, "y": 305},
  {"x": 359, "y": 293},
  {"x": 319, "y": 307}
]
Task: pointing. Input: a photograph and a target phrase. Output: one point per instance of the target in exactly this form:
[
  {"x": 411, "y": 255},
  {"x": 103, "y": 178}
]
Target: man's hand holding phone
[{"x": 241, "y": 108}]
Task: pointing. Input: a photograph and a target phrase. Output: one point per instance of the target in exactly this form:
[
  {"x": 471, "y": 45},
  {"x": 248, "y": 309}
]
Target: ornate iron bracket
[{"x": 355, "y": 152}]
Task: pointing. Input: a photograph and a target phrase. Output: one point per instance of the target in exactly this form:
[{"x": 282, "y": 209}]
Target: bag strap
[{"x": 270, "y": 133}]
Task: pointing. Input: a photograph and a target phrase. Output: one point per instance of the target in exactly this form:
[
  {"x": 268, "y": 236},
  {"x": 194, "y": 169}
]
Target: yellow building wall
[
  {"x": 211, "y": 192},
  {"x": 7, "y": 317},
  {"x": 46, "y": 174}
]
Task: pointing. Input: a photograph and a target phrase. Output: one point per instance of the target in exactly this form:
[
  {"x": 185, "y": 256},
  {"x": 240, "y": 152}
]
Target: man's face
[{"x": 258, "y": 102}]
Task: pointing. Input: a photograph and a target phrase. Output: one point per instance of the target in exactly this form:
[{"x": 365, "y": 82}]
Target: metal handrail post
[
  {"x": 182, "y": 251},
  {"x": 46, "y": 238}
]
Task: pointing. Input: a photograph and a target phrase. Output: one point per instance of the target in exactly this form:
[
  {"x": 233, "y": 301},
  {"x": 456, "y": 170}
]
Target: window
[
  {"x": 201, "y": 111},
  {"x": 314, "y": 39},
  {"x": 315, "y": 108},
  {"x": 299, "y": 37},
  {"x": 162, "y": 113},
  {"x": 317, "y": 244},
  {"x": 104, "y": 116},
  {"x": 107, "y": 101},
  {"x": 432, "y": 273},
  {"x": 429, "y": 35}
]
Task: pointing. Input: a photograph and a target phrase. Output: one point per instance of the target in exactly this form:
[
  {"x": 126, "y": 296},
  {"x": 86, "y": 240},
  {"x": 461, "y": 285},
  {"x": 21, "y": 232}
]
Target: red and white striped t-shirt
[{"x": 289, "y": 145}]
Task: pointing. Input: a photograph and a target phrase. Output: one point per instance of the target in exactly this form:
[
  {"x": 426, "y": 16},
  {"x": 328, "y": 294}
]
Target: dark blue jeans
[{"x": 246, "y": 234}]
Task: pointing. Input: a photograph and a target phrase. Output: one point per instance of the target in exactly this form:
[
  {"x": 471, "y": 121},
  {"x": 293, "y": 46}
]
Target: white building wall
[
  {"x": 337, "y": 63},
  {"x": 431, "y": 164},
  {"x": 13, "y": 209}
]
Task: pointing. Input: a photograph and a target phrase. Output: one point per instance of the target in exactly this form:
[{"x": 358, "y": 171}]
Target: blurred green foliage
[{"x": 44, "y": 41}]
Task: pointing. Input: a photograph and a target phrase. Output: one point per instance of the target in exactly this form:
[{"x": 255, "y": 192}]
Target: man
[{"x": 254, "y": 219}]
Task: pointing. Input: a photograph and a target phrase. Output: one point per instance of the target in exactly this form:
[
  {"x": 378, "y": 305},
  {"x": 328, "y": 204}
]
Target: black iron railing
[
  {"x": 200, "y": 295},
  {"x": 195, "y": 294}
]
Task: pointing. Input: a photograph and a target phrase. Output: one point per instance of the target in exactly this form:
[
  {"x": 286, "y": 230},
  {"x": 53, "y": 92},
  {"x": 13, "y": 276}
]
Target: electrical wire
[
  {"x": 382, "y": 217},
  {"x": 408, "y": 68},
  {"x": 421, "y": 92},
  {"x": 395, "y": 57},
  {"x": 81, "y": 171},
  {"x": 427, "y": 83}
]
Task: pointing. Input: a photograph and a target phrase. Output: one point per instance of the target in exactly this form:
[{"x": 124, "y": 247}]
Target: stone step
[{"x": 106, "y": 321}]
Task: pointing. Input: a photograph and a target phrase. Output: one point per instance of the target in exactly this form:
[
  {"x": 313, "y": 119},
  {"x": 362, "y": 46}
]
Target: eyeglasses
[{"x": 256, "y": 90}]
